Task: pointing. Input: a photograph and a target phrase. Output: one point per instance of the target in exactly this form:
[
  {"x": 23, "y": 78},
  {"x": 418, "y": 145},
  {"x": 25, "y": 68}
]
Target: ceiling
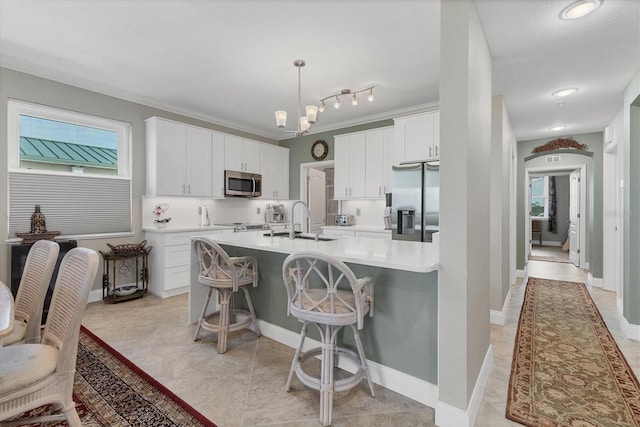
[{"x": 231, "y": 62}]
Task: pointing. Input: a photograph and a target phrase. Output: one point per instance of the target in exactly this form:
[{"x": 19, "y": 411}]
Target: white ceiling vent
[{"x": 553, "y": 159}]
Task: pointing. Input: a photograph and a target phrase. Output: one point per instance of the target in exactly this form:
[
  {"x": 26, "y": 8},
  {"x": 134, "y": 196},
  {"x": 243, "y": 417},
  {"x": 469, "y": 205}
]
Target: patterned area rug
[
  {"x": 567, "y": 369},
  {"x": 111, "y": 391}
]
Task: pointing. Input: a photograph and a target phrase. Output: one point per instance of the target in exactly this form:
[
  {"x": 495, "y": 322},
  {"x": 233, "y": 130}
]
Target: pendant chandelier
[{"x": 304, "y": 122}]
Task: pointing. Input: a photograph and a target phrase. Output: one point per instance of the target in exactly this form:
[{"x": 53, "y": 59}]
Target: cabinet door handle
[
  {"x": 429, "y": 151},
  {"x": 350, "y": 191},
  {"x": 184, "y": 189},
  {"x": 436, "y": 151},
  {"x": 346, "y": 191},
  {"x": 379, "y": 190},
  {"x": 189, "y": 189}
]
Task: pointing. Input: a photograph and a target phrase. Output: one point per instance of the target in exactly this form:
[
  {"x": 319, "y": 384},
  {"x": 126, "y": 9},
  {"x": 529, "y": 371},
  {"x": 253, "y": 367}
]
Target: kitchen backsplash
[
  {"x": 371, "y": 212},
  {"x": 184, "y": 211}
]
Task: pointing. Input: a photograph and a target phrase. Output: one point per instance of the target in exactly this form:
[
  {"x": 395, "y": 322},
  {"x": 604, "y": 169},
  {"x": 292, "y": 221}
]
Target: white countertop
[
  {"x": 396, "y": 254},
  {"x": 194, "y": 228},
  {"x": 357, "y": 228}
]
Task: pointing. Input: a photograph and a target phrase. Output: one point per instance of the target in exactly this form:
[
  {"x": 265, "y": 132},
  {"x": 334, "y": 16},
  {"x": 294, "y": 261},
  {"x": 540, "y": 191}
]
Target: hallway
[{"x": 492, "y": 409}]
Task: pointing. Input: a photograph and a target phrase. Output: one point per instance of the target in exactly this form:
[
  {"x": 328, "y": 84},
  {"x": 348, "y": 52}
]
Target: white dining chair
[
  {"x": 32, "y": 290},
  {"x": 33, "y": 375}
]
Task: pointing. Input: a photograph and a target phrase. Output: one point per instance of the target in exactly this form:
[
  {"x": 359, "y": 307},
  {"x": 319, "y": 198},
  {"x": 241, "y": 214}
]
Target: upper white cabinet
[
  {"x": 363, "y": 164},
  {"x": 349, "y": 166},
  {"x": 241, "y": 154},
  {"x": 217, "y": 165},
  {"x": 178, "y": 159},
  {"x": 417, "y": 137},
  {"x": 379, "y": 161},
  {"x": 274, "y": 161}
]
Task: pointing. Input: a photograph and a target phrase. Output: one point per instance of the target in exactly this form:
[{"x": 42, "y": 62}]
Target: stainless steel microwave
[{"x": 242, "y": 184}]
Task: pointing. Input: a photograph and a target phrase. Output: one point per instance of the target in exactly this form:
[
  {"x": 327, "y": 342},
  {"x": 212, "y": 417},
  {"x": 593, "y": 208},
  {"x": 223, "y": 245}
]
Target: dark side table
[{"x": 119, "y": 265}]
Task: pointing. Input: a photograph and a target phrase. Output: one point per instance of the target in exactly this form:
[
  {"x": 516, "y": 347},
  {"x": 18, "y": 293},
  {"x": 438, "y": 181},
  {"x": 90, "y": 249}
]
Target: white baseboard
[
  {"x": 593, "y": 281},
  {"x": 95, "y": 295},
  {"x": 450, "y": 416},
  {"x": 414, "y": 388},
  {"x": 499, "y": 317},
  {"x": 629, "y": 330}
]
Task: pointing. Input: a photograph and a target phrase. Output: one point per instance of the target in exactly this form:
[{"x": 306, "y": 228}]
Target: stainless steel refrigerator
[{"x": 415, "y": 207}]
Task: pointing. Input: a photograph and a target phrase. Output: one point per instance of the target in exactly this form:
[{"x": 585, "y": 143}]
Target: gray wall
[
  {"x": 631, "y": 199},
  {"x": 594, "y": 199},
  {"x": 300, "y": 150},
  {"x": 465, "y": 162},
  {"x": 29, "y": 88}
]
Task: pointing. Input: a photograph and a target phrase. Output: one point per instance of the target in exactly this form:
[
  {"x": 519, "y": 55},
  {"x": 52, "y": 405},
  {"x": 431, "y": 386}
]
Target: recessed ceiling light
[
  {"x": 580, "y": 8},
  {"x": 565, "y": 92},
  {"x": 557, "y": 128}
]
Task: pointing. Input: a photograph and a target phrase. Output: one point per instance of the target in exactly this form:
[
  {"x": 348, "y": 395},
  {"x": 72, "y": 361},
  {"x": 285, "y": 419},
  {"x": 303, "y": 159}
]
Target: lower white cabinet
[{"x": 170, "y": 261}]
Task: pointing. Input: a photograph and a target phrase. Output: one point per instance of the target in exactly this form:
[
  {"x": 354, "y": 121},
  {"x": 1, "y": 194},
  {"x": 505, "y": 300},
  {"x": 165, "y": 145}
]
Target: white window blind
[{"x": 73, "y": 205}]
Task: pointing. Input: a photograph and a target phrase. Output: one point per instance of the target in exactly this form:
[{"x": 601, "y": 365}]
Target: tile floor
[{"x": 245, "y": 386}]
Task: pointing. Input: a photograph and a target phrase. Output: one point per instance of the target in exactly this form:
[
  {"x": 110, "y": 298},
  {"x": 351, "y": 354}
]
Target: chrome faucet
[{"x": 292, "y": 231}]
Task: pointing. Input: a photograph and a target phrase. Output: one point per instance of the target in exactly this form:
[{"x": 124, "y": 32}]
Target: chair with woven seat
[
  {"x": 324, "y": 292},
  {"x": 34, "y": 375},
  {"x": 226, "y": 275},
  {"x": 32, "y": 290}
]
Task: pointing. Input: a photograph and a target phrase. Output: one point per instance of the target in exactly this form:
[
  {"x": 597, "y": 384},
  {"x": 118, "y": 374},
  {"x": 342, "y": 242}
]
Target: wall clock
[{"x": 319, "y": 150}]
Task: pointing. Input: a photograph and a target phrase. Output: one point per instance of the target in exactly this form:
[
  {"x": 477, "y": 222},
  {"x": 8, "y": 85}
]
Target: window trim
[
  {"x": 545, "y": 196},
  {"x": 17, "y": 108}
]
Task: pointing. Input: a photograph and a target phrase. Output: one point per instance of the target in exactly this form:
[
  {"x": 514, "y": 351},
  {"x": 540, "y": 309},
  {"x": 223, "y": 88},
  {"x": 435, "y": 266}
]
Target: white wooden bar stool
[
  {"x": 312, "y": 281},
  {"x": 226, "y": 275}
]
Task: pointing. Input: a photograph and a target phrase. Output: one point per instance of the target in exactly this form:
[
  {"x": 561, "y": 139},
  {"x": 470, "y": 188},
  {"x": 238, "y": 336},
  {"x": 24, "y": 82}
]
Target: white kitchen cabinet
[
  {"x": 378, "y": 161},
  {"x": 349, "y": 164},
  {"x": 217, "y": 165},
  {"x": 363, "y": 164},
  {"x": 241, "y": 154},
  {"x": 274, "y": 162},
  {"x": 170, "y": 261},
  {"x": 417, "y": 137},
  {"x": 178, "y": 159}
]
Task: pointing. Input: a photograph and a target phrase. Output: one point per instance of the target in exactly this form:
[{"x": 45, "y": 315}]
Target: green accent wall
[
  {"x": 300, "y": 150},
  {"x": 403, "y": 332},
  {"x": 594, "y": 199}
]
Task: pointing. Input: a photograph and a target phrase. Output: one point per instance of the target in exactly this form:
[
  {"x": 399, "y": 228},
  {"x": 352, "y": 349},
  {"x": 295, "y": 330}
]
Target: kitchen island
[{"x": 401, "y": 338}]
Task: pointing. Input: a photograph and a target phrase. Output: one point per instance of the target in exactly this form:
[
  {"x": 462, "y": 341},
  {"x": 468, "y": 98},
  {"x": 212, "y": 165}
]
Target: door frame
[
  {"x": 304, "y": 172},
  {"x": 551, "y": 170}
]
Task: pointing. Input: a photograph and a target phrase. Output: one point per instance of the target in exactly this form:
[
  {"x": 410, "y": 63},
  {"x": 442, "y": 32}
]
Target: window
[
  {"x": 75, "y": 166},
  {"x": 539, "y": 196}
]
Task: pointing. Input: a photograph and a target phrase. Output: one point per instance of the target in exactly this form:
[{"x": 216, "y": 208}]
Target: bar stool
[
  {"x": 312, "y": 282},
  {"x": 226, "y": 275}
]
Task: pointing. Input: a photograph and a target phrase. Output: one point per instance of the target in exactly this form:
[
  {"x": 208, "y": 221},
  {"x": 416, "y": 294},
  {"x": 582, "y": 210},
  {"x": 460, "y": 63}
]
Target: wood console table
[{"x": 118, "y": 265}]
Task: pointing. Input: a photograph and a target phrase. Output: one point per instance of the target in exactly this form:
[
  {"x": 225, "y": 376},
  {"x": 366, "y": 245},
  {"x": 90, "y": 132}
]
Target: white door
[
  {"x": 317, "y": 201},
  {"x": 574, "y": 218}
]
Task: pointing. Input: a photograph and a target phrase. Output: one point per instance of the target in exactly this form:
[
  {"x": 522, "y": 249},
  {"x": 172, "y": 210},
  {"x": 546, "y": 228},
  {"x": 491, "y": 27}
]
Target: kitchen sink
[
  {"x": 300, "y": 235},
  {"x": 321, "y": 239}
]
